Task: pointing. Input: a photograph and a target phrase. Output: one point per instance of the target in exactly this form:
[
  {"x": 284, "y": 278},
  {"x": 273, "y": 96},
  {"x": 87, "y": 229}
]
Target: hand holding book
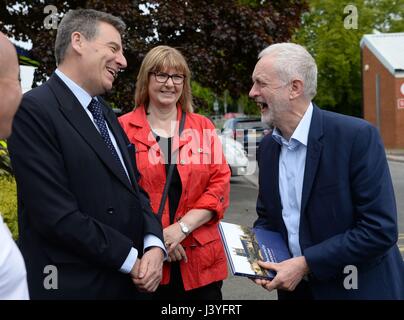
[
  {"x": 288, "y": 274},
  {"x": 245, "y": 246}
]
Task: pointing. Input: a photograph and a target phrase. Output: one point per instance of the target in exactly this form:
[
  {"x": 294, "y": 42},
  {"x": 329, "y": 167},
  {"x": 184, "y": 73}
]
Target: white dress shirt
[
  {"x": 292, "y": 161},
  {"x": 13, "y": 276},
  {"x": 84, "y": 98}
]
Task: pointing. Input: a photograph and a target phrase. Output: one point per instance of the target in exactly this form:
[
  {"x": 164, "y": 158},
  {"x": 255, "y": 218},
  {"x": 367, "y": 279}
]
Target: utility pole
[
  {"x": 216, "y": 106},
  {"x": 225, "y": 101}
]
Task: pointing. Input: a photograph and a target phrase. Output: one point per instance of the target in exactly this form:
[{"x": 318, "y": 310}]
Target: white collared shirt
[
  {"x": 292, "y": 161},
  {"x": 13, "y": 276}
]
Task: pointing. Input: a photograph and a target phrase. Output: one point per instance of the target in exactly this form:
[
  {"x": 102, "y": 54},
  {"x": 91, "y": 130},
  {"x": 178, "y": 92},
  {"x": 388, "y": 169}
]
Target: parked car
[
  {"x": 231, "y": 115},
  {"x": 248, "y": 131},
  {"x": 235, "y": 155}
]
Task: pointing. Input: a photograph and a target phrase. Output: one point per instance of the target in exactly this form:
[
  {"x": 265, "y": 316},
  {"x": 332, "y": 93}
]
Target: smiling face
[
  {"x": 101, "y": 59},
  {"x": 270, "y": 92},
  {"x": 167, "y": 94}
]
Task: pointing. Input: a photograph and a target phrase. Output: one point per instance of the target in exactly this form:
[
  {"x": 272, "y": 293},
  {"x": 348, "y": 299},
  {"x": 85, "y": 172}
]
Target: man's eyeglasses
[{"x": 162, "y": 77}]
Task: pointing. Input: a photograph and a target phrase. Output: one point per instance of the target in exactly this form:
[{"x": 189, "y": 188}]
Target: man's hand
[
  {"x": 147, "y": 273},
  {"x": 288, "y": 274}
]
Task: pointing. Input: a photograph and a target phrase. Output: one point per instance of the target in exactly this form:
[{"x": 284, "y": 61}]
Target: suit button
[{"x": 110, "y": 210}]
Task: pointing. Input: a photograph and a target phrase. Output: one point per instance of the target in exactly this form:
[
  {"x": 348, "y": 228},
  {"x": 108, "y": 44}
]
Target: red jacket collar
[{"x": 138, "y": 118}]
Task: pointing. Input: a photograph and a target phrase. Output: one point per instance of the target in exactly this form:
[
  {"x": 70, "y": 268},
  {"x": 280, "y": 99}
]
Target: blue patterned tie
[{"x": 95, "y": 109}]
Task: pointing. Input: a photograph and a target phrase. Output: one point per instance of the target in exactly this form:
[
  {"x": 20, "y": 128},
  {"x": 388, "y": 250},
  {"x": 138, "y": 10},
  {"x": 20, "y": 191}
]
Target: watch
[{"x": 184, "y": 228}]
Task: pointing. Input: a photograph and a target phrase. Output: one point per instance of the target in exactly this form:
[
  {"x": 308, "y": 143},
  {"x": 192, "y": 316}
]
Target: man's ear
[
  {"x": 77, "y": 42},
  {"x": 296, "y": 89}
]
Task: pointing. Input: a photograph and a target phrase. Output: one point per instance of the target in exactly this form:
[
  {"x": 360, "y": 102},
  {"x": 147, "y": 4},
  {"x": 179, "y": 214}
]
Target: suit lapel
[
  {"x": 78, "y": 118},
  {"x": 314, "y": 149},
  {"x": 122, "y": 145},
  {"x": 274, "y": 175},
  {"x": 274, "y": 195}
]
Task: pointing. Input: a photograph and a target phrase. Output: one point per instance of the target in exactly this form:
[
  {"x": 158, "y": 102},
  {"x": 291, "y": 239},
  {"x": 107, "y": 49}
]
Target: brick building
[{"x": 383, "y": 85}]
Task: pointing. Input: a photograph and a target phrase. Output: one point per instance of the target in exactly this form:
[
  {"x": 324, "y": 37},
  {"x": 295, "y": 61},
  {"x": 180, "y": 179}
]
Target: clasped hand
[{"x": 147, "y": 272}]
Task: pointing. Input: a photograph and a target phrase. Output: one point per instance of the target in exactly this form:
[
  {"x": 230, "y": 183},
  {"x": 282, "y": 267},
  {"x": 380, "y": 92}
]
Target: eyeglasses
[{"x": 162, "y": 77}]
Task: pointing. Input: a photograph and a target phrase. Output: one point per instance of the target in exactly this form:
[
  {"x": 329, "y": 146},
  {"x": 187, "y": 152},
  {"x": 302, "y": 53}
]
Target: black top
[{"x": 175, "y": 189}]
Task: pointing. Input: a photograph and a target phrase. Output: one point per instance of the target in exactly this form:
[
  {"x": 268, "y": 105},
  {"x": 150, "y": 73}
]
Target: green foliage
[
  {"x": 220, "y": 39},
  {"x": 203, "y": 98},
  {"x": 8, "y": 203},
  {"x": 249, "y": 106},
  {"x": 337, "y": 49},
  {"x": 5, "y": 164}
]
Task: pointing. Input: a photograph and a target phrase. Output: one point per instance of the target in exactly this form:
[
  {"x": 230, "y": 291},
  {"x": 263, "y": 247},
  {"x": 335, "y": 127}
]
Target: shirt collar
[
  {"x": 301, "y": 133},
  {"x": 81, "y": 95}
]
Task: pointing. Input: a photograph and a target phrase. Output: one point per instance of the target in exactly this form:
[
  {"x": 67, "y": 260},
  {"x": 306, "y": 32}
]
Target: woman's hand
[
  {"x": 173, "y": 237},
  {"x": 173, "y": 234},
  {"x": 177, "y": 254}
]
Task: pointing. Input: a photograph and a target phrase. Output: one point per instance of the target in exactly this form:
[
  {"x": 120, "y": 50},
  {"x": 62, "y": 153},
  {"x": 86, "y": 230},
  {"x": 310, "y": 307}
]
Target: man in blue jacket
[{"x": 325, "y": 185}]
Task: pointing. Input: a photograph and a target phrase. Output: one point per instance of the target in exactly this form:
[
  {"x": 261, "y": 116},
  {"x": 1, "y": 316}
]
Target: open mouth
[
  {"x": 113, "y": 72},
  {"x": 263, "y": 106}
]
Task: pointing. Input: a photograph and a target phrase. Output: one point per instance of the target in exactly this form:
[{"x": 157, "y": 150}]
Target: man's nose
[
  {"x": 253, "y": 92},
  {"x": 121, "y": 61}
]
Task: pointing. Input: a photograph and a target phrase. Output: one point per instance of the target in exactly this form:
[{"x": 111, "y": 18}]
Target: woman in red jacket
[{"x": 199, "y": 190}]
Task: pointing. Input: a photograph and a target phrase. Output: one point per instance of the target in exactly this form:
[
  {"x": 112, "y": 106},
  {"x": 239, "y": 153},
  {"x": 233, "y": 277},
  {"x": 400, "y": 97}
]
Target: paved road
[
  {"x": 397, "y": 174},
  {"x": 242, "y": 211}
]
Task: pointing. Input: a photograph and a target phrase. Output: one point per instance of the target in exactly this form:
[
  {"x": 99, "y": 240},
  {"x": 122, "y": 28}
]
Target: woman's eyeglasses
[{"x": 162, "y": 77}]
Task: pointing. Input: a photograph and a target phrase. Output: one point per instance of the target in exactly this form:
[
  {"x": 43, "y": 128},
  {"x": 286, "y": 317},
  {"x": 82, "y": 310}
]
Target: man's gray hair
[
  {"x": 84, "y": 21},
  {"x": 292, "y": 61}
]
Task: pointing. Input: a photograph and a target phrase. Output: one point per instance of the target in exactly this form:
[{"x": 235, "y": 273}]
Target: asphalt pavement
[{"x": 243, "y": 197}]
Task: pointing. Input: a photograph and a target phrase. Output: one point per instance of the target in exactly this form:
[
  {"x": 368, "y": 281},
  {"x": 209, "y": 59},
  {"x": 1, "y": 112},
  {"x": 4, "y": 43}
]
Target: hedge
[{"x": 8, "y": 203}]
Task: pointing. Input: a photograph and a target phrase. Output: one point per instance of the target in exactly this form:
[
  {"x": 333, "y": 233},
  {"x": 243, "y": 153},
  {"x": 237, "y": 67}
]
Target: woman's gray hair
[
  {"x": 292, "y": 61},
  {"x": 84, "y": 21}
]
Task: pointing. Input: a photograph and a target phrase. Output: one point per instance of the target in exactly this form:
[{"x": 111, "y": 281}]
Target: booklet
[{"x": 245, "y": 245}]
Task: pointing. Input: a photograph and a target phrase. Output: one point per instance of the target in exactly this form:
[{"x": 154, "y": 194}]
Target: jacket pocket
[
  {"x": 327, "y": 189},
  {"x": 206, "y": 234}
]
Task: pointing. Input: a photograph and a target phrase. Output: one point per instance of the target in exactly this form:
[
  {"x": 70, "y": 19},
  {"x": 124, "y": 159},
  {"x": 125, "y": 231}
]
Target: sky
[
  {"x": 26, "y": 72},
  {"x": 27, "y": 75}
]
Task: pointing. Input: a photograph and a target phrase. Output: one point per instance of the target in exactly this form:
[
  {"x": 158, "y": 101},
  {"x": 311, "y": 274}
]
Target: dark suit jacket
[
  {"x": 77, "y": 210},
  {"x": 348, "y": 210}
]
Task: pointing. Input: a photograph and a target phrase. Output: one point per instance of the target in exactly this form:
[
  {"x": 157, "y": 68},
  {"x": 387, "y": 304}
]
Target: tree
[
  {"x": 220, "y": 39},
  {"x": 329, "y": 34}
]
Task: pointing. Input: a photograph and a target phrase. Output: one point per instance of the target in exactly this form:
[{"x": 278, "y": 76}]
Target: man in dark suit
[
  {"x": 325, "y": 185},
  {"x": 86, "y": 230}
]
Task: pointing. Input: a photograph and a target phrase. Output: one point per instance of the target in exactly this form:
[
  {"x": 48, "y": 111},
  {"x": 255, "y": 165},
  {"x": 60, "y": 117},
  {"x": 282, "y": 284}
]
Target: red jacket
[{"x": 205, "y": 178}]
